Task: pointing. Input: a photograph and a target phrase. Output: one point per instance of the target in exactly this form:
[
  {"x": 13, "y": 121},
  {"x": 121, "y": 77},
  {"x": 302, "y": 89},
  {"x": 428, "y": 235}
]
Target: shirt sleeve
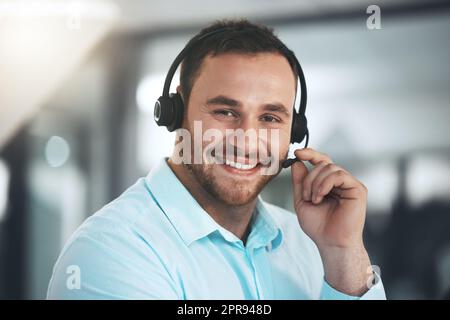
[
  {"x": 105, "y": 266},
  {"x": 376, "y": 292}
]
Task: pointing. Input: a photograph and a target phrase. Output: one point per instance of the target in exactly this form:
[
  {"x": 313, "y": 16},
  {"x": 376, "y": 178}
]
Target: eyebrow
[
  {"x": 277, "y": 107},
  {"x": 224, "y": 100}
]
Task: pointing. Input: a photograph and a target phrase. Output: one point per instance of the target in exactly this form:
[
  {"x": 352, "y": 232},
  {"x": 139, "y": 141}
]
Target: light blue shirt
[{"x": 156, "y": 242}]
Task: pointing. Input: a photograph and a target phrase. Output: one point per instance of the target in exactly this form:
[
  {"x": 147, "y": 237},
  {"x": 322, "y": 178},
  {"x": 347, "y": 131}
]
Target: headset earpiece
[
  {"x": 169, "y": 111},
  {"x": 299, "y": 128}
]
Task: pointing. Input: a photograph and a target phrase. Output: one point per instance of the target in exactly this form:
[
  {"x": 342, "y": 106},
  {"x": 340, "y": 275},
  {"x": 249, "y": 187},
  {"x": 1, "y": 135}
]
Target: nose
[{"x": 245, "y": 139}]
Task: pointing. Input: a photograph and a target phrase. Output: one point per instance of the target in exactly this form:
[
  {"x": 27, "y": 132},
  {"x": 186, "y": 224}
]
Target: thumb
[{"x": 298, "y": 173}]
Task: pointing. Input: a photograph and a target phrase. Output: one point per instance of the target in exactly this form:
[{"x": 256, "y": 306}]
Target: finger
[
  {"x": 318, "y": 179},
  {"x": 311, "y": 155},
  {"x": 345, "y": 184},
  {"x": 308, "y": 180},
  {"x": 298, "y": 173}
]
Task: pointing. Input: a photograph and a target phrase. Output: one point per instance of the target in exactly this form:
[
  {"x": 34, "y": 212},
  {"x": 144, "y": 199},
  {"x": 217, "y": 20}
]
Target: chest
[{"x": 224, "y": 272}]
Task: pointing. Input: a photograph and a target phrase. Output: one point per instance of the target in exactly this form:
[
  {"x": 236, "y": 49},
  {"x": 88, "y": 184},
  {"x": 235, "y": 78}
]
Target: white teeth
[{"x": 240, "y": 166}]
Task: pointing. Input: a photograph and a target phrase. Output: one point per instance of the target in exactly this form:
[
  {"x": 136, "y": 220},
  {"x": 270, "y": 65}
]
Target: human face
[{"x": 248, "y": 92}]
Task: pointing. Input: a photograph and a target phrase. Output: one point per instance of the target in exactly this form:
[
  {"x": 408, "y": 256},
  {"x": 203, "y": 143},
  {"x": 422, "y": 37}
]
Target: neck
[{"x": 235, "y": 219}]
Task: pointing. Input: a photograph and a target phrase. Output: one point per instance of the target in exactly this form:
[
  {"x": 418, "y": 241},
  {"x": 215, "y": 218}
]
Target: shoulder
[
  {"x": 115, "y": 251},
  {"x": 134, "y": 218}
]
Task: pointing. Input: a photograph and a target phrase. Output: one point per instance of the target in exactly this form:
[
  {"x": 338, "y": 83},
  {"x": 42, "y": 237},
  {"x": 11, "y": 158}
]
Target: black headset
[{"x": 169, "y": 107}]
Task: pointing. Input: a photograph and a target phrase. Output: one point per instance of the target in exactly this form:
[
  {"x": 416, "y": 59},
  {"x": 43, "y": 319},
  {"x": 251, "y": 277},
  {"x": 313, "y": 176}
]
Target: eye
[
  {"x": 270, "y": 118},
  {"x": 224, "y": 113}
]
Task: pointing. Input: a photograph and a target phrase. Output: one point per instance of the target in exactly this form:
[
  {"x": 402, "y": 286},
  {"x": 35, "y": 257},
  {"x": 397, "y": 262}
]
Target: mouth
[
  {"x": 240, "y": 165},
  {"x": 237, "y": 165},
  {"x": 236, "y": 168}
]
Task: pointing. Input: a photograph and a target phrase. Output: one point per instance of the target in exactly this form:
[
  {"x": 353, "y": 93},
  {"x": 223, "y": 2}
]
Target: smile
[{"x": 240, "y": 166}]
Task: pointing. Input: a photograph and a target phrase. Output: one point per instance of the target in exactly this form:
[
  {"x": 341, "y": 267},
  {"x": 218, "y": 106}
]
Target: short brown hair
[{"x": 241, "y": 36}]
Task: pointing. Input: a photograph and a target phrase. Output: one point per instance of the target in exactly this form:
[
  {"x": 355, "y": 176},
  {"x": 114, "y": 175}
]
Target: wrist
[
  {"x": 332, "y": 250},
  {"x": 346, "y": 268}
]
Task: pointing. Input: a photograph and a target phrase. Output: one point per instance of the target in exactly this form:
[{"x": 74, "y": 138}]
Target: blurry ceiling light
[
  {"x": 41, "y": 43},
  {"x": 37, "y": 9},
  {"x": 148, "y": 90},
  {"x": 4, "y": 184},
  {"x": 428, "y": 180},
  {"x": 32, "y": 30},
  {"x": 57, "y": 151},
  {"x": 381, "y": 179}
]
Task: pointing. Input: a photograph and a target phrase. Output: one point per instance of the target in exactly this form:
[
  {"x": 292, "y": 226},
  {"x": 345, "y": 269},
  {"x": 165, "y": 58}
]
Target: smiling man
[{"x": 199, "y": 229}]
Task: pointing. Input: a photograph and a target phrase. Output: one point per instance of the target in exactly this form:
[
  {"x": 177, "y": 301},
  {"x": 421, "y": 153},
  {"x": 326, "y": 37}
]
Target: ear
[{"x": 180, "y": 92}]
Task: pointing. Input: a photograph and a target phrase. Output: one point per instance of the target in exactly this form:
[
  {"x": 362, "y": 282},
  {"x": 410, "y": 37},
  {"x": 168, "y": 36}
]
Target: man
[{"x": 200, "y": 230}]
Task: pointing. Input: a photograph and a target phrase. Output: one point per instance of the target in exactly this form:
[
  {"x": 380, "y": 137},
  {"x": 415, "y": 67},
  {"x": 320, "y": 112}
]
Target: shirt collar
[
  {"x": 192, "y": 222},
  {"x": 265, "y": 230}
]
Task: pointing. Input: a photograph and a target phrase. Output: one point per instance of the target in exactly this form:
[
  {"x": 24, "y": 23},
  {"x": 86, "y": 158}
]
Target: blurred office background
[{"x": 78, "y": 80}]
